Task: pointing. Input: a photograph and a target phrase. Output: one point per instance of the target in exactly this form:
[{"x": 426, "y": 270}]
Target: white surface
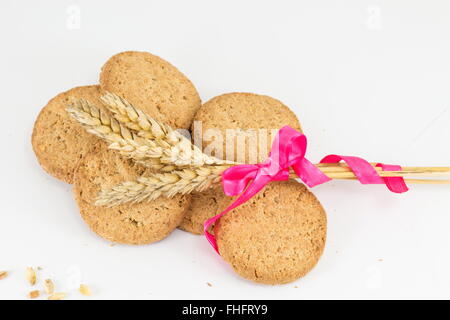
[{"x": 367, "y": 78}]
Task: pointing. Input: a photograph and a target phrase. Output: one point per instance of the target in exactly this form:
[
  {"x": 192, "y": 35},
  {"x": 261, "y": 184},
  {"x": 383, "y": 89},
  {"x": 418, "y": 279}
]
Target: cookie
[
  {"x": 241, "y": 112},
  {"x": 236, "y": 111},
  {"x": 140, "y": 223},
  {"x": 59, "y": 142},
  {"x": 153, "y": 85},
  {"x": 203, "y": 206},
  {"x": 276, "y": 237}
]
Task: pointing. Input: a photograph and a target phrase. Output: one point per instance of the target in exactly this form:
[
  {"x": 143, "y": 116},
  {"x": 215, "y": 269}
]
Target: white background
[{"x": 367, "y": 78}]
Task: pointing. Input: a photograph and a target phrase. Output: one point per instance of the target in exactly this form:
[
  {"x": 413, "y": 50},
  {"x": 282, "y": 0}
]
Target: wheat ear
[
  {"x": 176, "y": 148},
  {"x": 118, "y": 137},
  {"x": 161, "y": 184}
]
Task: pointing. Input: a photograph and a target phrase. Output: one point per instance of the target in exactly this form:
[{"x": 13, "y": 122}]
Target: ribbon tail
[
  {"x": 394, "y": 184},
  {"x": 362, "y": 169},
  {"x": 253, "y": 188},
  {"x": 366, "y": 174}
]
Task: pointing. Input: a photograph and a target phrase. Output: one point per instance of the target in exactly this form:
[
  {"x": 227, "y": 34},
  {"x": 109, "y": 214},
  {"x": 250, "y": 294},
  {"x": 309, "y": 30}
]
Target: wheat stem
[
  {"x": 151, "y": 143},
  {"x": 200, "y": 178},
  {"x": 161, "y": 184}
]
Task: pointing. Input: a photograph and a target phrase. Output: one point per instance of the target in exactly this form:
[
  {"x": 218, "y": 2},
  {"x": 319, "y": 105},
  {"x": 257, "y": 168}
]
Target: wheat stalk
[
  {"x": 176, "y": 148},
  {"x": 167, "y": 184},
  {"x": 151, "y": 143},
  {"x": 137, "y": 136},
  {"x": 118, "y": 137},
  {"x": 200, "y": 178}
]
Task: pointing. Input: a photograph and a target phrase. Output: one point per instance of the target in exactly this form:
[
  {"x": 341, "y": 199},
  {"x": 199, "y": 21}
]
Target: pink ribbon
[
  {"x": 366, "y": 174},
  {"x": 288, "y": 151}
]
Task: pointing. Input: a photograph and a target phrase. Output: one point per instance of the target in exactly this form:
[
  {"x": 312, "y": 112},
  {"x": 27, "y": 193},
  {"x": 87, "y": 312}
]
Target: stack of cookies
[{"x": 276, "y": 237}]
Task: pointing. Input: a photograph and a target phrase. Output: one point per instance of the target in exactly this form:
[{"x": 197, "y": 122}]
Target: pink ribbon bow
[{"x": 288, "y": 151}]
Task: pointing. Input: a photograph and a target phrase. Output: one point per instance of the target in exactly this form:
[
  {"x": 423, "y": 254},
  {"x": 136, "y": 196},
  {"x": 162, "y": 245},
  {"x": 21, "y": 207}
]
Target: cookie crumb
[
  {"x": 209, "y": 284},
  {"x": 33, "y": 294},
  {"x": 112, "y": 244},
  {"x": 57, "y": 296},
  {"x": 84, "y": 290},
  {"x": 31, "y": 275},
  {"x": 49, "y": 287},
  {"x": 380, "y": 260},
  {"x": 3, "y": 274},
  {"x": 295, "y": 287}
]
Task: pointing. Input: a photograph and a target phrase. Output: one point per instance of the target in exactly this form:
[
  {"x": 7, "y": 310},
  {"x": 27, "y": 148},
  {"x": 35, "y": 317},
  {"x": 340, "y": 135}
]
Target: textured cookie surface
[
  {"x": 276, "y": 237},
  {"x": 203, "y": 206},
  {"x": 153, "y": 85},
  {"x": 242, "y": 112},
  {"x": 59, "y": 142},
  {"x": 232, "y": 111},
  {"x": 140, "y": 223}
]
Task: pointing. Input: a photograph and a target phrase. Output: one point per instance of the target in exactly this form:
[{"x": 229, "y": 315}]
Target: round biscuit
[
  {"x": 245, "y": 113},
  {"x": 203, "y": 206},
  {"x": 139, "y": 223},
  {"x": 276, "y": 237},
  {"x": 153, "y": 85},
  {"x": 58, "y": 141}
]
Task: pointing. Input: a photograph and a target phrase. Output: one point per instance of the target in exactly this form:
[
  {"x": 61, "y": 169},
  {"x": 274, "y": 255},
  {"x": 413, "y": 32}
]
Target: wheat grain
[
  {"x": 34, "y": 294},
  {"x": 57, "y": 296},
  {"x": 84, "y": 290},
  {"x": 31, "y": 275},
  {"x": 166, "y": 184},
  {"x": 3, "y": 274},
  {"x": 49, "y": 287}
]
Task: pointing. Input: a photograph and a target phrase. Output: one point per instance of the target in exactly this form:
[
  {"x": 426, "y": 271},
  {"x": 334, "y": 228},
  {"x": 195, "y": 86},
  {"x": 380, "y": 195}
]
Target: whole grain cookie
[
  {"x": 203, "y": 206},
  {"x": 244, "y": 111},
  {"x": 59, "y": 142},
  {"x": 140, "y": 223},
  {"x": 276, "y": 237},
  {"x": 153, "y": 85},
  {"x": 247, "y": 116}
]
